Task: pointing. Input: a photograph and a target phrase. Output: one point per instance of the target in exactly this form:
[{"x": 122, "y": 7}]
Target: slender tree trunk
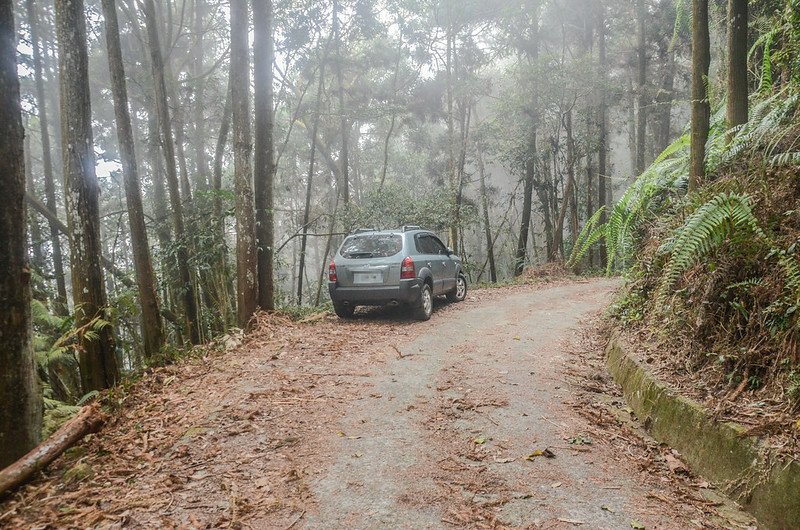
[
  {"x": 309, "y": 182},
  {"x": 485, "y": 207},
  {"x": 20, "y": 394},
  {"x": 219, "y": 153},
  {"x": 452, "y": 234},
  {"x": 602, "y": 120},
  {"x": 641, "y": 89},
  {"x": 159, "y": 193},
  {"x": 344, "y": 185},
  {"x": 391, "y": 121},
  {"x": 246, "y": 251},
  {"x": 531, "y": 161},
  {"x": 152, "y": 330},
  {"x": 38, "y": 259},
  {"x": 462, "y": 161},
  {"x": 264, "y": 171},
  {"x": 701, "y": 110},
  {"x": 97, "y": 357},
  {"x": 185, "y": 287},
  {"x": 736, "y": 112},
  {"x": 666, "y": 94},
  {"x": 60, "y": 302},
  {"x": 201, "y": 160},
  {"x": 573, "y": 203}
]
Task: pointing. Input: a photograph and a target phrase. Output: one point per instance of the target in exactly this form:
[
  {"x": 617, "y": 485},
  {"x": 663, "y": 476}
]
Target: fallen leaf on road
[
  {"x": 480, "y": 440},
  {"x": 636, "y": 525},
  {"x": 504, "y": 460},
  {"x": 675, "y": 465},
  {"x": 606, "y": 508},
  {"x": 555, "y": 485},
  {"x": 547, "y": 453}
]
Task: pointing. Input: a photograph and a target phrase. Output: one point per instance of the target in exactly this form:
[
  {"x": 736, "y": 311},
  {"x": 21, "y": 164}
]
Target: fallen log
[{"x": 87, "y": 421}]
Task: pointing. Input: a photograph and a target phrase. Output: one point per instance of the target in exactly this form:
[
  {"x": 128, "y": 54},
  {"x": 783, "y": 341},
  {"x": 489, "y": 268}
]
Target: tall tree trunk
[
  {"x": 219, "y": 153},
  {"x": 452, "y": 233},
  {"x": 736, "y": 112},
  {"x": 466, "y": 111},
  {"x": 393, "y": 119},
  {"x": 60, "y": 302},
  {"x": 532, "y": 158},
  {"x": 201, "y": 160},
  {"x": 38, "y": 259},
  {"x": 309, "y": 182},
  {"x": 220, "y": 291},
  {"x": 666, "y": 94},
  {"x": 485, "y": 207},
  {"x": 573, "y": 202},
  {"x": 264, "y": 159},
  {"x": 641, "y": 89},
  {"x": 152, "y": 330},
  {"x": 602, "y": 122},
  {"x": 20, "y": 395},
  {"x": 97, "y": 357},
  {"x": 246, "y": 258},
  {"x": 701, "y": 109},
  {"x": 185, "y": 287},
  {"x": 344, "y": 185}
]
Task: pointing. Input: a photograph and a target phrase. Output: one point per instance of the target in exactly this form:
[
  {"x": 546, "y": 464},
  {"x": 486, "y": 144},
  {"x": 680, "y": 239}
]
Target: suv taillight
[
  {"x": 332, "y": 272},
  {"x": 407, "y": 269}
]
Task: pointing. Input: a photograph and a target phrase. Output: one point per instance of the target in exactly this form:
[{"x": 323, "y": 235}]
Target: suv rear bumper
[{"x": 406, "y": 293}]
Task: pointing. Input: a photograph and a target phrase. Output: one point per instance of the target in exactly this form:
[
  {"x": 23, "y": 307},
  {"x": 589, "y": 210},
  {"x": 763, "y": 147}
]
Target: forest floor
[{"x": 497, "y": 413}]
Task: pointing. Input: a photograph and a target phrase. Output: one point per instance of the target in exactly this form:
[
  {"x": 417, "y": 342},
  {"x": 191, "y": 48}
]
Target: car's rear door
[{"x": 369, "y": 260}]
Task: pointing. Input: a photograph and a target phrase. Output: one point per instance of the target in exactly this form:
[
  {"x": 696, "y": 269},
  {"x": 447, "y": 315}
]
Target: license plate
[{"x": 367, "y": 278}]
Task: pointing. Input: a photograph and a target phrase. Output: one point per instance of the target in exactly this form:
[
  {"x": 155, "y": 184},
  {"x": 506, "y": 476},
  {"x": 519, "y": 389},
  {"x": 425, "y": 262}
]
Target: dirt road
[{"x": 475, "y": 419}]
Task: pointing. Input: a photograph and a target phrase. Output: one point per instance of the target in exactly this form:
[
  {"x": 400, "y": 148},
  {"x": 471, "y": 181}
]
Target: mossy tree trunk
[
  {"x": 736, "y": 111},
  {"x": 20, "y": 395},
  {"x": 264, "y": 159},
  {"x": 701, "y": 110},
  {"x": 96, "y": 355},
  {"x": 246, "y": 252}
]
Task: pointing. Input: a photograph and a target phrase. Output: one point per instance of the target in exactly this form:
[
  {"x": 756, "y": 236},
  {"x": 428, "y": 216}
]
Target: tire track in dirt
[{"x": 445, "y": 436}]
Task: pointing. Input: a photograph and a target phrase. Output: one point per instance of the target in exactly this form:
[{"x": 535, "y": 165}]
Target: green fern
[
  {"x": 591, "y": 233},
  {"x": 705, "y": 230},
  {"x": 766, "y": 82}
]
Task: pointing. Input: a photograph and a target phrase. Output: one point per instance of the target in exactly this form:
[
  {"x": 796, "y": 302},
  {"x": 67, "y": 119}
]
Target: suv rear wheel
[
  {"x": 424, "y": 308},
  {"x": 344, "y": 310},
  {"x": 460, "y": 292}
]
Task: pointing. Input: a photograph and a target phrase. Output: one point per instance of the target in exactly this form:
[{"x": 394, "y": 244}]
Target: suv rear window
[{"x": 371, "y": 246}]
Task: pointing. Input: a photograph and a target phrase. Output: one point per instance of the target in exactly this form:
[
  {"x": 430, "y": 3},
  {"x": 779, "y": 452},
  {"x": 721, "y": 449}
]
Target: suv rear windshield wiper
[{"x": 356, "y": 255}]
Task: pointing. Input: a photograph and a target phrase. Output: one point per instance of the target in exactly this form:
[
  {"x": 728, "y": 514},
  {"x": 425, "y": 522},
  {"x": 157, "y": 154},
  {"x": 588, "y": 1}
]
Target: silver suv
[{"x": 391, "y": 267}]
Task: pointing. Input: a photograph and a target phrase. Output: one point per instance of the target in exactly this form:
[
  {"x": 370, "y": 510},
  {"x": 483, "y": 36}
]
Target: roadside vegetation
[{"x": 713, "y": 277}]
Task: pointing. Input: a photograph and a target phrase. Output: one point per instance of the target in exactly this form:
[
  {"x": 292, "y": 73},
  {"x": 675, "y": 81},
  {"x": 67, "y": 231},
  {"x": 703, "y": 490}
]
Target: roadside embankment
[{"x": 765, "y": 484}]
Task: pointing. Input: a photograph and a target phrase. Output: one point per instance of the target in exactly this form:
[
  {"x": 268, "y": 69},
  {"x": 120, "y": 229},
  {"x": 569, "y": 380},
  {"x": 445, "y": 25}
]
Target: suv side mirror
[{"x": 450, "y": 251}]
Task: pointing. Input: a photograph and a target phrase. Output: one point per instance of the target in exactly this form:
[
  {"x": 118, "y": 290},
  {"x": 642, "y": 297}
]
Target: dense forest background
[{"x": 189, "y": 161}]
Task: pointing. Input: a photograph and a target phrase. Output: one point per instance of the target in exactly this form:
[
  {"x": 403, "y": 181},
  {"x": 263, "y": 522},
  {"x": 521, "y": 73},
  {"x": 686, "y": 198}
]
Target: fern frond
[
  {"x": 786, "y": 159},
  {"x": 704, "y": 230},
  {"x": 589, "y": 235}
]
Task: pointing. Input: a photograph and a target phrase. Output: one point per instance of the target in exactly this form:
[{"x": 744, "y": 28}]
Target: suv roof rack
[{"x": 406, "y": 228}]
